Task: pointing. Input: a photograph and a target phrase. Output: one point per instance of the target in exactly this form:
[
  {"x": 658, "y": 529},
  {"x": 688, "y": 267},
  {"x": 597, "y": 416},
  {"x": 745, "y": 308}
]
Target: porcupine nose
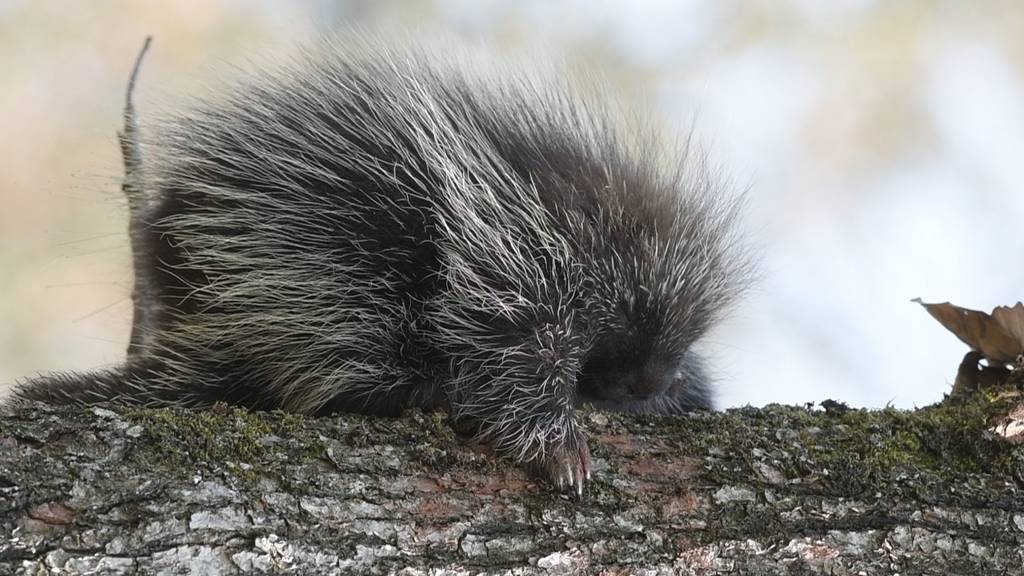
[
  {"x": 650, "y": 379},
  {"x": 604, "y": 378}
]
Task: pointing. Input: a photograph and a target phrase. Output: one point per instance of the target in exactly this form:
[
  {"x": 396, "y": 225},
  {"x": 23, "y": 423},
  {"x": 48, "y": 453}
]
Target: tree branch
[{"x": 779, "y": 490}]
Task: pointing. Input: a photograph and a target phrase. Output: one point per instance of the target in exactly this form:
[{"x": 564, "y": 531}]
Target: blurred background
[{"x": 881, "y": 144}]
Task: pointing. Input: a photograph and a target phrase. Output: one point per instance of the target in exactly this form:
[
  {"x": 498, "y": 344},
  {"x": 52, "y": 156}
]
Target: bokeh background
[{"x": 881, "y": 144}]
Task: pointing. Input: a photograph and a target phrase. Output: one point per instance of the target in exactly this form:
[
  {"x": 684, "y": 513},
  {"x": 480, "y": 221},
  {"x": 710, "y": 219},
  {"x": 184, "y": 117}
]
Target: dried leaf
[
  {"x": 1011, "y": 320},
  {"x": 1000, "y": 340}
]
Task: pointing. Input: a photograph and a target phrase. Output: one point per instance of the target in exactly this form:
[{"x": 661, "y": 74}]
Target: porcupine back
[{"x": 367, "y": 229}]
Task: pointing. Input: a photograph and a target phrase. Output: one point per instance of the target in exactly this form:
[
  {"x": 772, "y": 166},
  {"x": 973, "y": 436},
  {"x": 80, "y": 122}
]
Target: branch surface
[{"x": 777, "y": 490}]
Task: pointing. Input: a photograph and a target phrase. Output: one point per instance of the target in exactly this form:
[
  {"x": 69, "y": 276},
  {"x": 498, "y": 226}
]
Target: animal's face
[
  {"x": 652, "y": 296},
  {"x": 659, "y": 266},
  {"x": 639, "y": 352}
]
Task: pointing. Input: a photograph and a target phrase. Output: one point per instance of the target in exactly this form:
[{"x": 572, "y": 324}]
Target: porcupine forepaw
[{"x": 567, "y": 464}]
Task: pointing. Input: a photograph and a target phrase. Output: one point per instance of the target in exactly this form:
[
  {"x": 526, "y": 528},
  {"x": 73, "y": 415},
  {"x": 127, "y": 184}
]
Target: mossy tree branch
[{"x": 779, "y": 490}]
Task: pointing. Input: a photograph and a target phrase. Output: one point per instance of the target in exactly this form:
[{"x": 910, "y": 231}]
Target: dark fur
[{"x": 369, "y": 232}]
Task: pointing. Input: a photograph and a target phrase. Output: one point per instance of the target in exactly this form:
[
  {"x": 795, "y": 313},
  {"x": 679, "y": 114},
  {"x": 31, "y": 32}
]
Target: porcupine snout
[{"x": 611, "y": 379}]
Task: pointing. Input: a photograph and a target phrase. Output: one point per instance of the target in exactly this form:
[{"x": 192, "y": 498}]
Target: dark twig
[{"x": 131, "y": 156}]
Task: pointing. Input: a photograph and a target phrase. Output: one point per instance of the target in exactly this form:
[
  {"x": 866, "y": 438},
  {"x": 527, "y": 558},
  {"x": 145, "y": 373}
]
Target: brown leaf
[
  {"x": 999, "y": 341},
  {"x": 1011, "y": 320}
]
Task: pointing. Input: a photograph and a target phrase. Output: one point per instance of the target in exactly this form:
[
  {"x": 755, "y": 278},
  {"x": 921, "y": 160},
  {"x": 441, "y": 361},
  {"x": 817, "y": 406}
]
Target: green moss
[
  {"x": 176, "y": 441},
  {"x": 838, "y": 452},
  {"x": 855, "y": 446},
  {"x": 249, "y": 443}
]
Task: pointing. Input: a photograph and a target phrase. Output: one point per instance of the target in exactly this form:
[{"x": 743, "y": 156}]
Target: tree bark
[{"x": 778, "y": 490}]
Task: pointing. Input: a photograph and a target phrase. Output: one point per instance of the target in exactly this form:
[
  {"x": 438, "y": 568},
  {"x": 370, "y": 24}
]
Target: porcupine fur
[{"x": 367, "y": 229}]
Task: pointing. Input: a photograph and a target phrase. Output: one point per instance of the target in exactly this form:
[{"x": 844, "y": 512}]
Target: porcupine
[{"x": 368, "y": 229}]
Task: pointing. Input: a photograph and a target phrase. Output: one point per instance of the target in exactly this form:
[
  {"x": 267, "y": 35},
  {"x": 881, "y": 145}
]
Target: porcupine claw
[{"x": 568, "y": 465}]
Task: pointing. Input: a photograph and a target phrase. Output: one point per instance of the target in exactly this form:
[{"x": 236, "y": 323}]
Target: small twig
[{"x": 131, "y": 156}]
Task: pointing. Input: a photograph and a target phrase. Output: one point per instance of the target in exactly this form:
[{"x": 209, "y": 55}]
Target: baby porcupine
[{"x": 369, "y": 229}]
